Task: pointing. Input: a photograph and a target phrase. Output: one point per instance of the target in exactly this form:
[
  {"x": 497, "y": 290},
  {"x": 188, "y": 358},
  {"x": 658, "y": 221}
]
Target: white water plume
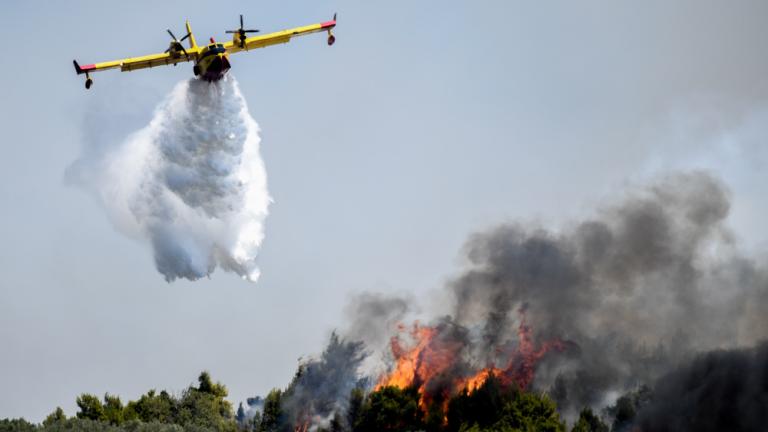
[{"x": 192, "y": 182}]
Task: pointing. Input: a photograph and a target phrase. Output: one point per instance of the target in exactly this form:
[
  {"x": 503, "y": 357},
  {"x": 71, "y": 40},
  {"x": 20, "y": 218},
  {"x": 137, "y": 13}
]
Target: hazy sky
[{"x": 426, "y": 121}]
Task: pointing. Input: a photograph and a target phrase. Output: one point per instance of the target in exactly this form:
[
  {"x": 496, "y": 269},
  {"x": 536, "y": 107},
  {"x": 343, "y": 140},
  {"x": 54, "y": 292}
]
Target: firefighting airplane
[{"x": 212, "y": 60}]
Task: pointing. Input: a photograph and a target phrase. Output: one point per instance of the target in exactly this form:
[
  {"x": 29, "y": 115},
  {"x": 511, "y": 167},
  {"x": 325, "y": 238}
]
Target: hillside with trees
[{"x": 204, "y": 408}]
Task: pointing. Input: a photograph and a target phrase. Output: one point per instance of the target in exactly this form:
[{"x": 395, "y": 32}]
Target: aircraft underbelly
[{"x": 215, "y": 69}]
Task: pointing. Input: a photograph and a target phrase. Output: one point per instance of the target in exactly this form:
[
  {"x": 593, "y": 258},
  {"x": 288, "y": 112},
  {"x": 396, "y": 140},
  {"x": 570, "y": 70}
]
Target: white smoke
[{"x": 192, "y": 182}]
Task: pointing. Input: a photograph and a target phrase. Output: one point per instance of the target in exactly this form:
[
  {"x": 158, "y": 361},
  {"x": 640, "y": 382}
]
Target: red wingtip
[
  {"x": 83, "y": 69},
  {"x": 329, "y": 24}
]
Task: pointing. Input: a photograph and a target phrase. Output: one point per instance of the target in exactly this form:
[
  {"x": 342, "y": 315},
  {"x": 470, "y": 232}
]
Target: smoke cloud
[
  {"x": 191, "y": 183},
  {"x": 322, "y": 386},
  {"x": 604, "y": 305},
  {"x": 637, "y": 289}
]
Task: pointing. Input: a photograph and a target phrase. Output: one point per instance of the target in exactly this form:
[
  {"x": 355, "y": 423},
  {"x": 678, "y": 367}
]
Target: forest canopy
[{"x": 203, "y": 408}]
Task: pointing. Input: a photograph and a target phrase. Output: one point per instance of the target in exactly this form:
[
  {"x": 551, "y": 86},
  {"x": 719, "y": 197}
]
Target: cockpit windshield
[{"x": 215, "y": 49}]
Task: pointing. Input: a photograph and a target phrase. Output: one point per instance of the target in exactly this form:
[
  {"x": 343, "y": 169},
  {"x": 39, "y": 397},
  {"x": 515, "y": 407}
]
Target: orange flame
[
  {"x": 418, "y": 365},
  {"x": 475, "y": 382},
  {"x": 522, "y": 365},
  {"x": 430, "y": 356}
]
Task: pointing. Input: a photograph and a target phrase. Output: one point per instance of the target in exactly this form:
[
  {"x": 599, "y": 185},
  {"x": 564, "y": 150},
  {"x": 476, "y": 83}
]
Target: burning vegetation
[{"x": 435, "y": 363}]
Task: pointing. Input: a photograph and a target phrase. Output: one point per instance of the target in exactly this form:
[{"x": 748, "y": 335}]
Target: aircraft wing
[
  {"x": 280, "y": 37},
  {"x": 134, "y": 63}
]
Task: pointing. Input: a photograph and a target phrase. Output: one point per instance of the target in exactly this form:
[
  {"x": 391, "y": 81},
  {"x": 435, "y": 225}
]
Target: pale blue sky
[{"x": 425, "y": 122}]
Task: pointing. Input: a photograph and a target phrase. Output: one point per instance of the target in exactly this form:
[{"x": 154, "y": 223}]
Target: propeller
[
  {"x": 242, "y": 32},
  {"x": 177, "y": 43}
]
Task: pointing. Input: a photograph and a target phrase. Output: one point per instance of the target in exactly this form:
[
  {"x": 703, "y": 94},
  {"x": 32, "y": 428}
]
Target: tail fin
[
  {"x": 192, "y": 42},
  {"x": 78, "y": 69}
]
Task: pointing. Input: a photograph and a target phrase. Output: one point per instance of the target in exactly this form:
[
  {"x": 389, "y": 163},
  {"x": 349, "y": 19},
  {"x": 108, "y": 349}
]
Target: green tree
[
  {"x": 391, "y": 409},
  {"x": 240, "y": 416},
  {"x": 272, "y": 415},
  {"x": 626, "y": 407},
  {"x": 623, "y": 412},
  {"x": 90, "y": 407},
  {"x": 16, "y": 425},
  {"x": 531, "y": 413},
  {"x": 206, "y": 385},
  {"x": 356, "y": 399},
  {"x": 482, "y": 406},
  {"x": 113, "y": 409},
  {"x": 589, "y": 422},
  {"x": 205, "y": 406},
  {"x": 254, "y": 424},
  {"x": 201, "y": 408},
  {"x": 499, "y": 408},
  {"x": 56, "y": 416},
  {"x": 152, "y": 407}
]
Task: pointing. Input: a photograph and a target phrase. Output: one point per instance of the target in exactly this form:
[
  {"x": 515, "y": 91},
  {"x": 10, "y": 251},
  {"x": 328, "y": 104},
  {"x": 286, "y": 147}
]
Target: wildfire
[
  {"x": 430, "y": 358},
  {"x": 475, "y": 382},
  {"x": 408, "y": 361},
  {"x": 425, "y": 357}
]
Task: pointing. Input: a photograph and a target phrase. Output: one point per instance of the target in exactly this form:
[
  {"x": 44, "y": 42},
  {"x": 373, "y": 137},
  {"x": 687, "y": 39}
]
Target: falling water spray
[{"x": 192, "y": 182}]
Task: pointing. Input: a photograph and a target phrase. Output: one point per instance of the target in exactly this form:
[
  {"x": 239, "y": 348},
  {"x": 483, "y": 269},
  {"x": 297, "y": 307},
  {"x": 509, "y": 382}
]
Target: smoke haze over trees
[{"x": 647, "y": 317}]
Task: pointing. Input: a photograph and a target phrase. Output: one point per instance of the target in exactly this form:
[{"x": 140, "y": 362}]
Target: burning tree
[{"x": 434, "y": 360}]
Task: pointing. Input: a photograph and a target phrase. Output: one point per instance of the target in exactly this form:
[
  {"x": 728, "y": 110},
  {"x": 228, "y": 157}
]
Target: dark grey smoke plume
[
  {"x": 645, "y": 284},
  {"x": 718, "y": 391}
]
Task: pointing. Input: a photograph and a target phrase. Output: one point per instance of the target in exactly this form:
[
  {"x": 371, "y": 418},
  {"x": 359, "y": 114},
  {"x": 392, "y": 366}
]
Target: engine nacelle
[
  {"x": 175, "y": 49},
  {"x": 238, "y": 40}
]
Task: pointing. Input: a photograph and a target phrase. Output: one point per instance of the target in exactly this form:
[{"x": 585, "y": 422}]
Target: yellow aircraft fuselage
[{"x": 212, "y": 63}]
